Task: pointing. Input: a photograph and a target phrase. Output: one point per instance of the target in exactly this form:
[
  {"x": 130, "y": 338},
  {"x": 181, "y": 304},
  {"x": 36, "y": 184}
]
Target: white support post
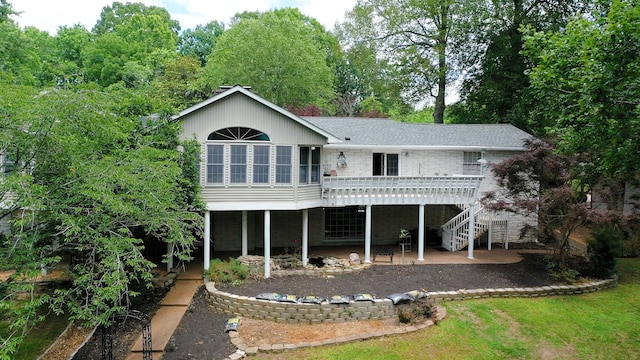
[
  {"x": 305, "y": 237},
  {"x": 245, "y": 237},
  {"x": 367, "y": 235},
  {"x": 267, "y": 244},
  {"x": 169, "y": 257},
  {"x": 472, "y": 230},
  {"x": 207, "y": 239},
  {"x": 421, "y": 232},
  {"x": 506, "y": 234},
  {"x": 490, "y": 233}
]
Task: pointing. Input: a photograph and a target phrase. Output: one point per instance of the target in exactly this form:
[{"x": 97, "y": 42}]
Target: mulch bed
[
  {"x": 384, "y": 280},
  {"x": 200, "y": 334}
]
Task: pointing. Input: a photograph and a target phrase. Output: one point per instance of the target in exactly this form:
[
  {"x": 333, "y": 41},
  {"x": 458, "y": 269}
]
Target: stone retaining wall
[
  {"x": 379, "y": 309},
  {"x": 295, "y": 313},
  {"x": 531, "y": 292}
]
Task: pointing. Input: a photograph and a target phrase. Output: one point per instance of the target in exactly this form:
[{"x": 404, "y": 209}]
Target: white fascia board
[{"x": 422, "y": 147}]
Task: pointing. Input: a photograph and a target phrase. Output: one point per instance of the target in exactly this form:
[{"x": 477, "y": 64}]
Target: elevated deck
[{"x": 399, "y": 190}]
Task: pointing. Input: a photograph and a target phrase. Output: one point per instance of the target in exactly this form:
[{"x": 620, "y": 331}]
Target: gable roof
[
  {"x": 387, "y": 133},
  {"x": 242, "y": 90}
]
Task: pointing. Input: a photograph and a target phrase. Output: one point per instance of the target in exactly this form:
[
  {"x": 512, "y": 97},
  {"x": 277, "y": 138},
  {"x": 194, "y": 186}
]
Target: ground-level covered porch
[{"x": 368, "y": 228}]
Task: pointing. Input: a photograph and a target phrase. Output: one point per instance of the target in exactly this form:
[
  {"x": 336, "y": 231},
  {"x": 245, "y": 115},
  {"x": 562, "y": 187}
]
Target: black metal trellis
[{"x": 107, "y": 335}]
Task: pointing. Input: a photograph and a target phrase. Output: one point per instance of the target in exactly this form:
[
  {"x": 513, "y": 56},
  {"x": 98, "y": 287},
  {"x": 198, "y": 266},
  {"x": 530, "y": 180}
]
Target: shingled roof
[{"x": 372, "y": 133}]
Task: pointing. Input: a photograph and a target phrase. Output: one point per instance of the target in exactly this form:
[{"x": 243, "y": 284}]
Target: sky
[{"x": 48, "y": 15}]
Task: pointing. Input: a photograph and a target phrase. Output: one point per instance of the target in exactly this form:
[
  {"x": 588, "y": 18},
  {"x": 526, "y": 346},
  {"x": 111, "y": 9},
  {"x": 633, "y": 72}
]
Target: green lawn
[
  {"x": 40, "y": 337},
  {"x": 603, "y": 325}
]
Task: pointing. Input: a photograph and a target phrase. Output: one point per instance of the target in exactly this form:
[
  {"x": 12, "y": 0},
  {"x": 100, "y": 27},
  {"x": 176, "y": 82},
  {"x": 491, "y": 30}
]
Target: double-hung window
[
  {"x": 215, "y": 164},
  {"x": 470, "y": 164},
  {"x": 261, "y": 164},
  {"x": 238, "y": 164},
  {"x": 283, "y": 165}
]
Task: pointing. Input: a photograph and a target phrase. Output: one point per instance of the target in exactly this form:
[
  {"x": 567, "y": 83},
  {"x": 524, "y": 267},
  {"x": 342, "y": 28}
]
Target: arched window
[{"x": 238, "y": 133}]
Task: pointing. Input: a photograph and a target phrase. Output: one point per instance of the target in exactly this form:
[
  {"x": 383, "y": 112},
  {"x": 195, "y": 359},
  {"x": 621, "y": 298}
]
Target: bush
[
  {"x": 415, "y": 312},
  {"x": 230, "y": 271},
  {"x": 602, "y": 249}
]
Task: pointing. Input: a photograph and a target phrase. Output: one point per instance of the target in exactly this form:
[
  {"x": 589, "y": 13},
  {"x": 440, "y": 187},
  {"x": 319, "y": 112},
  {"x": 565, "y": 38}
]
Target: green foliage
[
  {"x": 497, "y": 89},
  {"x": 119, "y": 14},
  {"x": 38, "y": 338},
  {"x": 98, "y": 182},
  {"x": 199, "y": 42},
  {"x": 69, "y": 45},
  {"x": 230, "y": 271},
  {"x": 602, "y": 249},
  {"x": 132, "y": 41},
  {"x": 413, "y": 46},
  {"x": 19, "y": 58},
  {"x": 276, "y": 54},
  {"x": 173, "y": 85},
  {"x": 371, "y": 107},
  {"x": 562, "y": 273},
  {"x": 586, "y": 84}
]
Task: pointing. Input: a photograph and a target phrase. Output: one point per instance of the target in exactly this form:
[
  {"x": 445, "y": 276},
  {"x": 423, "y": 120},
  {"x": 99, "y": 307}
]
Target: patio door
[{"x": 386, "y": 164}]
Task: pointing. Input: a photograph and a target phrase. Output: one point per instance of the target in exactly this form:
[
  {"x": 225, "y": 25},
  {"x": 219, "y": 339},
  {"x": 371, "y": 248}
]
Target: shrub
[
  {"x": 565, "y": 274},
  {"x": 602, "y": 250},
  {"x": 415, "y": 312},
  {"x": 230, "y": 271}
]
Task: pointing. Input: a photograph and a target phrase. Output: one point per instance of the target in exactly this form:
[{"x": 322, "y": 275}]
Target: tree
[
  {"x": 69, "y": 44},
  {"x": 277, "y": 55},
  {"x": 18, "y": 58},
  {"x": 364, "y": 75},
  {"x": 586, "y": 84},
  {"x": 119, "y": 14},
  {"x": 422, "y": 40},
  {"x": 132, "y": 42},
  {"x": 90, "y": 179},
  {"x": 199, "y": 42},
  {"x": 539, "y": 183},
  {"x": 173, "y": 85},
  {"x": 497, "y": 90},
  {"x": 6, "y": 10}
]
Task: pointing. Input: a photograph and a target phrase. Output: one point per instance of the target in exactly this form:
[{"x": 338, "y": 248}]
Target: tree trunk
[
  {"x": 441, "y": 47},
  {"x": 438, "y": 112}
]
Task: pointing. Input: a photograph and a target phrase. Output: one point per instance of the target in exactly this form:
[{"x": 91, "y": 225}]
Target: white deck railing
[
  {"x": 455, "y": 232},
  {"x": 390, "y": 190}
]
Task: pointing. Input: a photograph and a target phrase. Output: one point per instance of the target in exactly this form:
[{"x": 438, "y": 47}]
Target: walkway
[{"x": 165, "y": 321}]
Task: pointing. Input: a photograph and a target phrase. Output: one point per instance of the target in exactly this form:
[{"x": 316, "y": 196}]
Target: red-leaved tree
[{"x": 541, "y": 183}]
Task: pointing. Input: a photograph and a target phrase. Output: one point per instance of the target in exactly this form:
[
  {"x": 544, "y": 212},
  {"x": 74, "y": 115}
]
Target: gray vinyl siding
[{"x": 238, "y": 110}]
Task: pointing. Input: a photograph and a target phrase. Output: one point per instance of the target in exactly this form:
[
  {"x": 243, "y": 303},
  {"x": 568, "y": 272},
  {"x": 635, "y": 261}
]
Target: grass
[
  {"x": 39, "y": 337},
  {"x": 602, "y": 325}
]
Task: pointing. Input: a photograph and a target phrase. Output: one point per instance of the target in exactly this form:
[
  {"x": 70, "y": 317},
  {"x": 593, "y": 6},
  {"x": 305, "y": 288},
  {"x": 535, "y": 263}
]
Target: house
[{"x": 272, "y": 179}]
